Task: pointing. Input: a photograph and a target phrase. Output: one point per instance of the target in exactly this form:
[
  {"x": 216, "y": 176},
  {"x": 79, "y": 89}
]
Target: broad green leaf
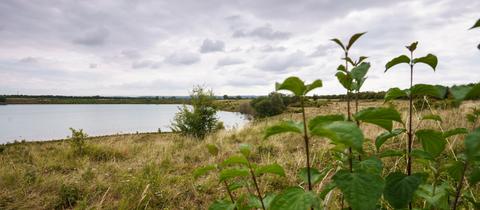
[
  {"x": 418, "y": 153},
  {"x": 342, "y": 68},
  {"x": 412, "y": 46},
  {"x": 472, "y": 145},
  {"x": 270, "y": 169},
  {"x": 344, "y": 79},
  {"x": 432, "y": 141},
  {"x": 443, "y": 90},
  {"x": 237, "y": 159},
  {"x": 359, "y": 72},
  {"x": 433, "y": 117},
  {"x": 361, "y": 190},
  {"x": 326, "y": 189},
  {"x": 400, "y": 188},
  {"x": 315, "y": 175},
  {"x": 460, "y": 92},
  {"x": 382, "y": 138},
  {"x": 245, "y": 149},
  {"x": 294, "y": 198},
  {"x": 476, "y": 25},
  {"x": 474, "y": 177},
  {"x": 474, "y": 92},
  {"x": 361, "y": 59},
  {"x": 397, "y": 60},
  {"x": 455, "y": 169},
  {"x": 437, "y": 199},
  {"x": 324, "y": 119},
  {"x": 371, "y": 165},
  {"x": 253, "y": 201},
  {"x": 420, "y": 90},
  {"x": 315, "y": 84},
  {"x": 429, "y": 59},
  {"x": 203, "y": 170},
  {"x": 455, "y": 131},
  {"x": 229, "y": 173},
  {"x": 292, "y": 84},
  {"x": 284, "y": 127},
  {"x": 394, "y": 93},
  {"x": 390, "y": 153},
  {"x": 353, "y": 39},
  {"x": 347, "y": 133},
  {"x": 338, "y": 42},
  {"x": 222, "y": 205},
  {"x": 237, "y": 185},
  {"x": 380, "y": 116}
]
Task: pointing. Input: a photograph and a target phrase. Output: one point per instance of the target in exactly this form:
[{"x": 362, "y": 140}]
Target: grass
[{"x": 153, "y": 171}]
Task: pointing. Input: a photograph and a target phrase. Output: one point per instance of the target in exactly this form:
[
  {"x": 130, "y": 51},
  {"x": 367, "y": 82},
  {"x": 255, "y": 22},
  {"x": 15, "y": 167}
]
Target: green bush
[
  {"x": 77, "y": 141},
  {"x": 199, "y": 119},
  {"x": 268, "y": 106},
  {"x": 68, "y": 196},
  {"x": 3, "y": 99}
]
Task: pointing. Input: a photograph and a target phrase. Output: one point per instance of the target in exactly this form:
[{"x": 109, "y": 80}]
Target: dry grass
[{"x": 153, "y": 171}]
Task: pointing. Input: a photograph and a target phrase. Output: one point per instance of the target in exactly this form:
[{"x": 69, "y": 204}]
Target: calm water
[{"x": 44, "y": 122}]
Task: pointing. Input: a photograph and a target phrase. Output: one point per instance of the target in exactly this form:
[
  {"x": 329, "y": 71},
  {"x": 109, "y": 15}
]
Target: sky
[{"x": 242, "y": 47}]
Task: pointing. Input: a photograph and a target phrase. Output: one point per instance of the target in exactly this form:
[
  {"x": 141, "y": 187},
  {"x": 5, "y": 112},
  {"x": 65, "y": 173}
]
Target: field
[{"x": 154, "y": 171}]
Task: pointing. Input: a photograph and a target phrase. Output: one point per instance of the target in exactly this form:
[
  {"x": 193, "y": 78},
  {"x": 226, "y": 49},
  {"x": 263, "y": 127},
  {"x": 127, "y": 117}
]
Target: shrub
[
  {"x": 77, "y": 141},
  {"x": 3, "y": 99},
  {"x": 69, "y": 195},
  {"x": 246, "y": 108},
  {"x": 268, "y": 106},
  {"x": 199, "y": 119}
]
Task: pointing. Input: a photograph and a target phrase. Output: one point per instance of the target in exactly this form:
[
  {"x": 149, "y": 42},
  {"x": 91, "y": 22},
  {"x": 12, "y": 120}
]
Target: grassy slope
[{"x": 154, "y": 170}]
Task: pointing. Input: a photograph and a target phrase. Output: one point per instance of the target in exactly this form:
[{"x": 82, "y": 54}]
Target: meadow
[{"x": 155, "y": 171}]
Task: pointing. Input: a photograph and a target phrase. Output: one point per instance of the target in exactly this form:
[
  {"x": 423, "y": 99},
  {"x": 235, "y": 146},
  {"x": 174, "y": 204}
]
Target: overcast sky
[{"x": 134, "y": 47}]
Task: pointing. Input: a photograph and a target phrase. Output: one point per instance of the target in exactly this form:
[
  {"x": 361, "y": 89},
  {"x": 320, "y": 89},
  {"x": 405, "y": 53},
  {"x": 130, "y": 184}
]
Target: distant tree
[
  {"x": 268, "y": 106},
  {"x": 239, "y": 97},
  {"x": 225, "y": 97},
  {"x": 3, "y": 99},
  {"x": 199, "y": 119}
]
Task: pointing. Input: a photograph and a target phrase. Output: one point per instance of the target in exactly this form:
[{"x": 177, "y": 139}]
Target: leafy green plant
[
  {"x": 77, "y": 141},
  {"x": 344, "y": 76},
  {"x": 431, "y": 60},
  {"x": 200, "y": 119},
  {"x": 234, "y": 173},
  {"x": 298, "y": 88}
]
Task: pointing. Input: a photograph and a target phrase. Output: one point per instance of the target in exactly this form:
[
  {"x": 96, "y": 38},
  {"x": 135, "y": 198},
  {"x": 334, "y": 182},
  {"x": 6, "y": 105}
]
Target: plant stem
[
  {"x": 350, "y": 154},
  {"x": 229, "y": 192},
  {"x": 305, "y": 138},
  {"x": 256, "y": 184},
  {"x": 410, "y": 116},
  {"x": 459, "y": 187}
]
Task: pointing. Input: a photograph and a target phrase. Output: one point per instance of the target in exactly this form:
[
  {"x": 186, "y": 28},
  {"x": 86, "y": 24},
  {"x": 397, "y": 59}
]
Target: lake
[{"x": 46, "y": 122}]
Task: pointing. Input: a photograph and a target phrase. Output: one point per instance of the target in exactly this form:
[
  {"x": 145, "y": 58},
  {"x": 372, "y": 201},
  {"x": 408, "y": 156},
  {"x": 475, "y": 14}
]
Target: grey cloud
[
  {"x": 284, "y": 62},
  {"x": 212, "y": 46},
  {"x": 229, "y": 61},
  {"x": 146, "y": 64},
  {"x": 182, "y": 58},
  {"x": 263, "y": 32},
  {"x": 95, "y": 37},
  {"x": 28, "y": 60},
  {"x": 270, "y": 48},
  {"x": 93, "y": 65},
  {"x": 131, "y": 54}
]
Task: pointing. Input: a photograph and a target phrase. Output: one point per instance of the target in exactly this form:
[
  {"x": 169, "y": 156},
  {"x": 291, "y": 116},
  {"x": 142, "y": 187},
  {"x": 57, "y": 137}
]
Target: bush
[
  {"x": 69, "y": 195},
  {"x": 246, "y": 108},
  {"x": 199, "y": 119},
  {"x": 77, "y": 141},
  {"x": 268, "y": 106},
  {"x": 3, "y": 99}
]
